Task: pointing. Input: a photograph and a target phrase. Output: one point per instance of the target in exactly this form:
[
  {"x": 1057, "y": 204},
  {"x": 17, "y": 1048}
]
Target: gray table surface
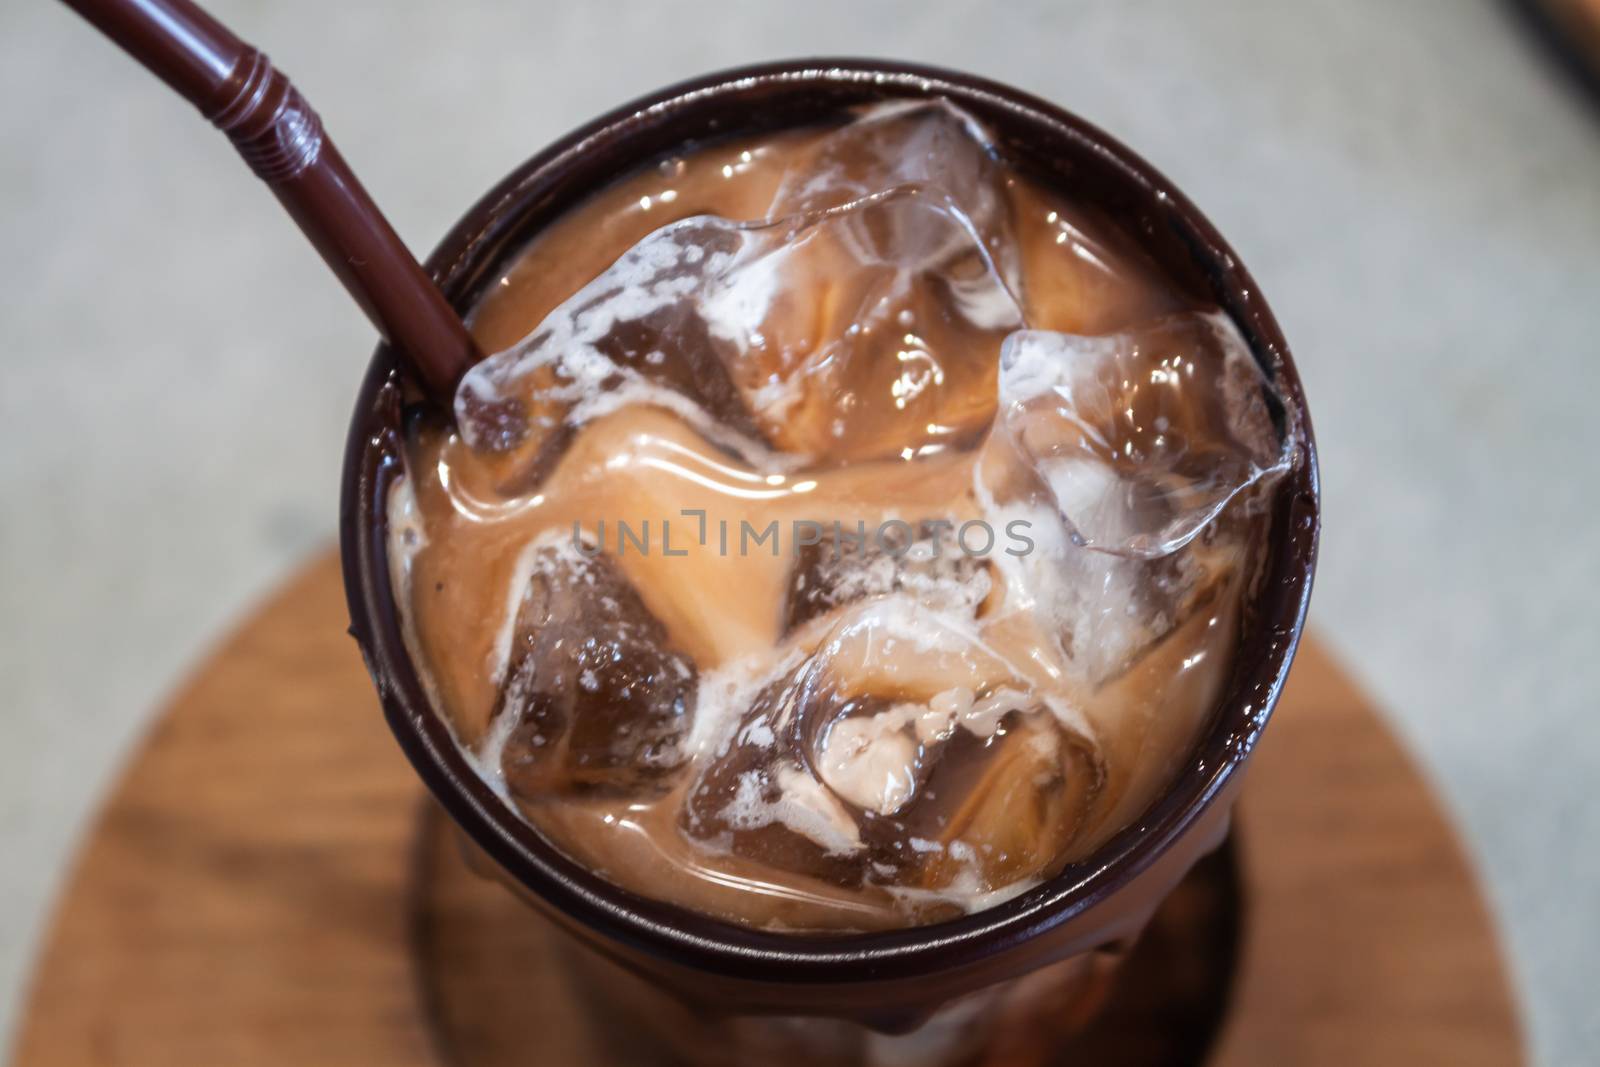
[{"x": 1416, "y": 190}]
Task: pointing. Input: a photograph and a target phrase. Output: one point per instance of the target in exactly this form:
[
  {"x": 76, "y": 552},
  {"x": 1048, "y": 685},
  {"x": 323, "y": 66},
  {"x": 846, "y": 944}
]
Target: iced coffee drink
[{"x": 848, "y": 534}]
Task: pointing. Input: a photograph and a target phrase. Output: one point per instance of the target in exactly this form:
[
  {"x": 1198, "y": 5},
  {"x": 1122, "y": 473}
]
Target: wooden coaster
[{"x": 263, "y": 887}]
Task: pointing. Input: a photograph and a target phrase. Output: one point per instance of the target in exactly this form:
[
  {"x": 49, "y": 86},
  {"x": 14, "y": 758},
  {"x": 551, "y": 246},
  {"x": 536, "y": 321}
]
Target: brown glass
[{"x": 888, "y": 981}]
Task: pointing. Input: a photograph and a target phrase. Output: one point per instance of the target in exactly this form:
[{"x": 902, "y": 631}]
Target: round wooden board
[{"x": 250, "y": 892}]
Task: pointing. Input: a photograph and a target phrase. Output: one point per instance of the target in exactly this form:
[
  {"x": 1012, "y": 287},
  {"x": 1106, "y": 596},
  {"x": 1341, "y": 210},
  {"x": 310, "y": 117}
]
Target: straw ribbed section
[{"x": 275, "y": 130}]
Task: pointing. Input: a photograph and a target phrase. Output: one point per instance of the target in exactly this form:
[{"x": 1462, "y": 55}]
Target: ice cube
[
  {"x": 928, "y": 143},
  {"x": 1122, "y": 453},
  {"x": 865, "y": 331},
  {"x": 631, "y": 334},
  {"x": 594, "y": 699},
  {"x": 840, "y": 569},
  {"x": 1141, "y": 438},
  {"x": 868, "y": 762},
  {"x": 759, "y": 798},
  {"x": 1007, "y": 813}
]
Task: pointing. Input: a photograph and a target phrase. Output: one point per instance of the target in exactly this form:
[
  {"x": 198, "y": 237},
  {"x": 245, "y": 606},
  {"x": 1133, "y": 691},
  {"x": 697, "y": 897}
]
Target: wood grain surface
[{"x": 249, "y": 894}]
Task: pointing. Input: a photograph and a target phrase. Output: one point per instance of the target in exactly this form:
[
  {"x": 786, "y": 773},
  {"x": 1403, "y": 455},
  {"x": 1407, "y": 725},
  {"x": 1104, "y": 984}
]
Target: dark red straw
[{"x": 278, "y": 134}]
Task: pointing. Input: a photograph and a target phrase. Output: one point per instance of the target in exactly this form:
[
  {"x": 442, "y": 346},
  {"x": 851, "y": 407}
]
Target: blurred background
[{"x": 1416, "y": 186}]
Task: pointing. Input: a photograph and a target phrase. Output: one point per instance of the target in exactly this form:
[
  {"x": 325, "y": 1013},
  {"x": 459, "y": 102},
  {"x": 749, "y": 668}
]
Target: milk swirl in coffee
[{"x": 848, "y": 533}]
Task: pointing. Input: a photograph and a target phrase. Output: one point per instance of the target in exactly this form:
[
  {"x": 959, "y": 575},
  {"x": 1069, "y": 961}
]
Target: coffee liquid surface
[{"x": 848, "y": 534}]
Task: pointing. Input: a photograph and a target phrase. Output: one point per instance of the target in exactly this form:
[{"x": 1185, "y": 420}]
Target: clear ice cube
[
  {"x": 839, "y": 570},
  {"x": 927, "y": 143},
  {"x": 630, "y": 335},
  {"x": 594, "y": 700},
  {"x": 862, "y": 330},
  {"x": 901, "y": 752},
  {"x": 1122, "y": 453},
  {"x": 1140, "y": 438}
]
